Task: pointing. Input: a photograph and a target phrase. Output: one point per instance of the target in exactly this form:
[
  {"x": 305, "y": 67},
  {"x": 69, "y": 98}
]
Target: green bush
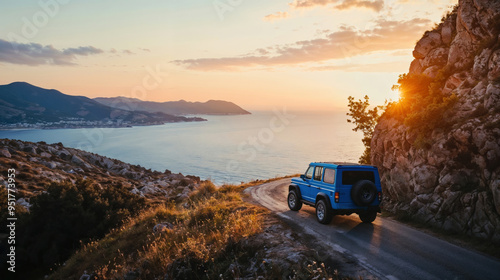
[
  {"x": 422, "y": 107},
  {"x": 365, "y": 120}
]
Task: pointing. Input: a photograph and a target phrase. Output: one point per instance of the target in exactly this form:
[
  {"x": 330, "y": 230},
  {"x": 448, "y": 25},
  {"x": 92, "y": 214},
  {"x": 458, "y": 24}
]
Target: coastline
[{"x": 69, "y": 126}]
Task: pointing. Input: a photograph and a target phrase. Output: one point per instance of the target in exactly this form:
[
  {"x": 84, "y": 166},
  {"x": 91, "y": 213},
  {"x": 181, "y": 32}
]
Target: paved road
[{"x": 387, "y": 249}]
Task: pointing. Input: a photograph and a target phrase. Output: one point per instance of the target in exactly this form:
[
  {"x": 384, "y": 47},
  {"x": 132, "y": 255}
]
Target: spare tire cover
[{"x": 363, "y": 192}]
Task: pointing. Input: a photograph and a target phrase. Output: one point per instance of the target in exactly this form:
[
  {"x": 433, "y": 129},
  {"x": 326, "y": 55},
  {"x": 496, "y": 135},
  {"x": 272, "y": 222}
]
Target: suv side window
[
  {"x": 318, "y": 172},
  {"x": 329, "y": 176},
  {"x": 309, "y": 172}
]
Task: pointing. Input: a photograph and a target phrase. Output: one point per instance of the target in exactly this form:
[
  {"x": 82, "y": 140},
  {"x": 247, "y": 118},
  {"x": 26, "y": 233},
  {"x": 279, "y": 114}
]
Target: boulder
[
  {"x": 447, "y": 32},
  {"x": 64, "y": 154},
  {"x": 45, "y": 155},
  {"x": 5, "y": 153},
  {"x": 29, "y": 149},
  {"x": 481, "y": 63},
  {"x": 432, "y": 71},
  {"x": 424, "y": 179},
  {"x": 461, "y": 49},
  {"x": 77, "y": 160},
  {"x": 416, "y": 66},
  {"x": 436, "y": 57},
  {"x": 50, "y": 164},
  {"x": 52, "y": 150},
  {"x": 430, "y": 41},
  {"x": 494, "y": 66}
]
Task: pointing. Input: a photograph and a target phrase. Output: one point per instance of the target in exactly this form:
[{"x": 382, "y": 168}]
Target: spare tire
[{"x": 363, "y": 192}]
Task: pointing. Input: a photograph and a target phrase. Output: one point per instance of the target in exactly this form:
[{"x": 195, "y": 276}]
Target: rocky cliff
[{"x": 452, "y": 182}]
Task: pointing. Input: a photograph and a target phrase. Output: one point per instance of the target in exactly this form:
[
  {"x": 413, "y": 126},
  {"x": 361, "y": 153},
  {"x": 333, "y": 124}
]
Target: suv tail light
[
  {"x": 379, "y": 196},
  {"x": 337, "y": 196}
]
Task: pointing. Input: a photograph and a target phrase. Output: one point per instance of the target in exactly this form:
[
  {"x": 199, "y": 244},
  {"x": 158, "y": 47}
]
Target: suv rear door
[{"x": 348, "y": 177}]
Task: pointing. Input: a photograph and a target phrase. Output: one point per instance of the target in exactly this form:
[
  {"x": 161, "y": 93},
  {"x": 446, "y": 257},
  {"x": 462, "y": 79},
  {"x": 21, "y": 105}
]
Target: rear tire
[
  {"x": 294, "y": 202},
  {"x": 363, "y": 192},
  {"x": 323, "y": 212},
  {"x": 367, "y": 216}
]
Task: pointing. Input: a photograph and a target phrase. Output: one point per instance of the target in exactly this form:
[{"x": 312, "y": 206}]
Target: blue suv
[{"x": 337, "y": 189}]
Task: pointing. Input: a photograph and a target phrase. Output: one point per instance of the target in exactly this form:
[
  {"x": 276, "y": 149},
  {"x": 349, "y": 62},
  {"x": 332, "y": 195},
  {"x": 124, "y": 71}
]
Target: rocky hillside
[
  {"x": 186, "y": 229},
  {"x": 39, "y": 164},
  {"x": 440, "y": 163}
]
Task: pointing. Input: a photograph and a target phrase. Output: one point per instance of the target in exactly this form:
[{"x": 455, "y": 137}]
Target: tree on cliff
[{"x": 365, "y": 120}]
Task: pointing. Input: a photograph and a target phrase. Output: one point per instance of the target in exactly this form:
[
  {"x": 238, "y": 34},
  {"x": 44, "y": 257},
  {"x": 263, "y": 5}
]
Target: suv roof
[{"x": 339, "y": 164}]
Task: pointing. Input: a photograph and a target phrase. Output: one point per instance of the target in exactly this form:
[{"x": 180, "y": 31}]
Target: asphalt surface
[{"x": 386, "y": 249}]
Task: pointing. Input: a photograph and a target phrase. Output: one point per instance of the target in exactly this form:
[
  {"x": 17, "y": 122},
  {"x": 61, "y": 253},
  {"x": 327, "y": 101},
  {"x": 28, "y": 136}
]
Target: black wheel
[
  {"x": 363, "y": 192},
  {"x": 323, "y": 212},
  {"x": 294, "y": 202},
  {"x": 368, "y": 216}
]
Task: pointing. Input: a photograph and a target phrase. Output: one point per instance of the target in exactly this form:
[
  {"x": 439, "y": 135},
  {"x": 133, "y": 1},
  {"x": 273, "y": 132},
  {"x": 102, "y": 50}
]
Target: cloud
[
  {"x": 395, "y": 66},
  {"x": 311, "y": 3},
  {"x": 36, "y": 54},
  {"x": 376, "y": 5},
  {"x": 346, "y": 42},
  {"x": 276, "y": 16},
  {"x": 82, "y": 51},
  {"x": 127, "y": 52}
]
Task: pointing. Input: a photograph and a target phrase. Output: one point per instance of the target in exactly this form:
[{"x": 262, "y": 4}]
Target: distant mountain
[
  {"x": 22, "y": 103},
  {"x": 212, "y": 107}
]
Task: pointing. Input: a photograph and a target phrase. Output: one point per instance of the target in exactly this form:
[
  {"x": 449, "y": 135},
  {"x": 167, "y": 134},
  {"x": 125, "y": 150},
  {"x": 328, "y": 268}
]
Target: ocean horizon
[{"x": 225, "y": 149}]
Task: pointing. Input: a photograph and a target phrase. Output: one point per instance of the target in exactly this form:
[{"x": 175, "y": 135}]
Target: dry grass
[
  {"x": 214, "y": 234},
  {"x": 213, "y": 220}
]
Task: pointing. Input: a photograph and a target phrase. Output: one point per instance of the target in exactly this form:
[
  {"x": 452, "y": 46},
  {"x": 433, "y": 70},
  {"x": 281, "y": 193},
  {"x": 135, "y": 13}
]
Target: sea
[{"x": 225, "y": 149}]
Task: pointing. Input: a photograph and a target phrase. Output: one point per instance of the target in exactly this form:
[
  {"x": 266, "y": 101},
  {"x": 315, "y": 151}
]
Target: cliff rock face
[{"x": 454, "y": 183}]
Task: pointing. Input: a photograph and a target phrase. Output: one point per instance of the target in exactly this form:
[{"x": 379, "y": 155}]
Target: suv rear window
[{"x": 351, "y": 177}]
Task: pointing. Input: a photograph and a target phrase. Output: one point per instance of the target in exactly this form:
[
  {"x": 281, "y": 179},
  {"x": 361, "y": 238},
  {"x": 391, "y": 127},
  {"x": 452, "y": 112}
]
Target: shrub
[
  {"x": 422, "y": 107},
  {"x": 365, "y": 120},
  {"x": 206, "y": 190}
]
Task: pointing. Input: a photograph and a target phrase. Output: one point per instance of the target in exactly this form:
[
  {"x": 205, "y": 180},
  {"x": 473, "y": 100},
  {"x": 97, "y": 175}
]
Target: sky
[{"x": 260, "y": 54}]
